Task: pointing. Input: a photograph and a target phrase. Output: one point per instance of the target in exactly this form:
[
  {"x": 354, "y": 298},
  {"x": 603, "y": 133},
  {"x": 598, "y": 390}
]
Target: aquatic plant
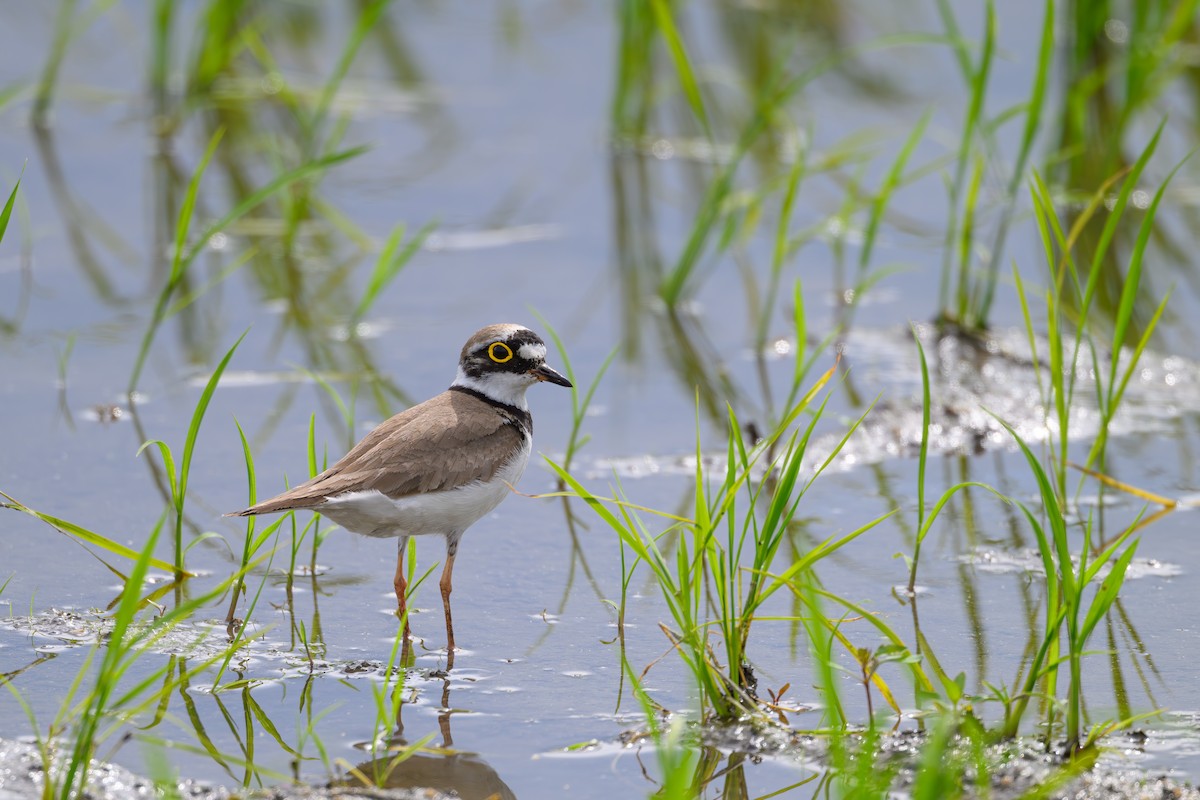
[{"x": 730, "y": 550}]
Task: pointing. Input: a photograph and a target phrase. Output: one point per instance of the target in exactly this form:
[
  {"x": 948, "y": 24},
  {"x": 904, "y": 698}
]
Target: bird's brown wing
[{"x": 448, "y": 441}]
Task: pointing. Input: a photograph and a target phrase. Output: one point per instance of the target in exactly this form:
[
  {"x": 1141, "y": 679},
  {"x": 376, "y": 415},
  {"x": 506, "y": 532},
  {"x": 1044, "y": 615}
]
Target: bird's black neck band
[{"x": 519, "y": 415}]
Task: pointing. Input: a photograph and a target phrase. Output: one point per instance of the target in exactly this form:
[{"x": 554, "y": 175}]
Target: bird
[{"x": 441, "y": 465}]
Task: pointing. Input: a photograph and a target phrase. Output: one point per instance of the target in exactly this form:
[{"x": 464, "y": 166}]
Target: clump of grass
[
  {"x": 1069, "y": 298},
  {"x": 90, "y": 716},
  {"x": 1070, "y": 619},
  {"x": 729, "y": 549},
  {"x": 86, "y": 719}
]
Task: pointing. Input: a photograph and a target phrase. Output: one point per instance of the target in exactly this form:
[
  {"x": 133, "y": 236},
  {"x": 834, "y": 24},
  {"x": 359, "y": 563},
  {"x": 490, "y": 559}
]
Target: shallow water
[{"x": 498, "y": 130}]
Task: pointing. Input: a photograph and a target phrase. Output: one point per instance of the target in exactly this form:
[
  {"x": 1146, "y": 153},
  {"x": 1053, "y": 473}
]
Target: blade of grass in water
[
  {"x": 178, "y": 263},
  {"x": 251, "y": 544},
  {"x": 922, "y": 457},
  {"x": 888, "y": 188},
  {"x": 579, "y": 406},
  {"x": 366, "y": 21},
  {"x": 179, "y": 481},
  {"x": 676, "y": 281},
  {"x": 1034, "y": 107},
  {"x": 675, "y": 284},
  {"x": 781, "y": 250},
  {"x": 977, "y": 76},
  {"x": 1129, "y": 289},
  {"x": 683, "y": 65},
  {"x": 1070, "y": 297},
  {"x": 964, "y": 313},
  {"x": 6, "y": 214},
  {"x": 676, "y": 760},
  {"x": 83, "y": 534},
  {"x": 77, "y": 770},
  {"x": 391, "y": 260},
  {"x": 1069, "y": 617}
]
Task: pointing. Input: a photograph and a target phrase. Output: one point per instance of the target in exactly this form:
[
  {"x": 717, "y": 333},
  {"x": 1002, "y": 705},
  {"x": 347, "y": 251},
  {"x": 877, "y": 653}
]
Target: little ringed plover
[{"x": 441, "y": 465}]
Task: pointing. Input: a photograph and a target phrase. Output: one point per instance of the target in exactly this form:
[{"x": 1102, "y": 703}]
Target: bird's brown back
[{"x": 448, "y": 441}]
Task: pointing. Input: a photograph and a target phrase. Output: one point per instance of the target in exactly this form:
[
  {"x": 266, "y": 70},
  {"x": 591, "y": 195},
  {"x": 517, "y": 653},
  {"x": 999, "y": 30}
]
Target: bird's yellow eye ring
[{"x": 500, "y": 352}]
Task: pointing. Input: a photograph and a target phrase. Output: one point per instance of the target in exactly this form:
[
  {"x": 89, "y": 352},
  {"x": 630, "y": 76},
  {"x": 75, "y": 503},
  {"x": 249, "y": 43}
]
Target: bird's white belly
[{"x": 372, "y": 513}]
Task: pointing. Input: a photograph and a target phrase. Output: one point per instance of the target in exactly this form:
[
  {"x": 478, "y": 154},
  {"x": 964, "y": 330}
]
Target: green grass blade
[
  {"x": 178, "y": 262},
  {"x": 922, "y": 457},
  {"x": 193, "y": 431},
  {"x": 8, "y": 206},
  {"x": 683, "y": 66},
  {"x": 1034, "y": 107},
  {"x": 635, "y": 542},
  {"x": 825, "y": 548},
  {"x": 1132, "y": 282},
  {"x": 1106, "y": 595},
  {"x": 675, "y": 282},
  {"x": 1136, "y": 357},
  {"x": 1030, "y": 334},
  {"x": 75, "y": 778},
  {"x": 890, "y": 183},
  {"x": 366, "y": 21},
  {"x": 1053, "y": 510},
  {"x": 251, "y": 474},
  {"x": 391, "y": 261},
  {"x": 83, "y": 534},
  {"x": 164, "y": 452},
  {"x": 954, "y": 36},
  {"x": 1116, "y": 216}
]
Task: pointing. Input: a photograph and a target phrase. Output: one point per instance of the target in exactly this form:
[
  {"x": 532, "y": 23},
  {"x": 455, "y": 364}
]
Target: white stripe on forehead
[{"x": 532, "y": 352}]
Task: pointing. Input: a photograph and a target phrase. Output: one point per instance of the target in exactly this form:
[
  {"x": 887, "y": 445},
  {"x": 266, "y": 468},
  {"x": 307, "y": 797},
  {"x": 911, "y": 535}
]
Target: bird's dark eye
[{"x": 500, "y": 352}]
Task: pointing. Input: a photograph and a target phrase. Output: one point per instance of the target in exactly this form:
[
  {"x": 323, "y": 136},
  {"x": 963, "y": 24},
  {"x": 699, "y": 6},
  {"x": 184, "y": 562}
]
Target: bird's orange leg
[
  {"x": 401, "y": 585},
  {"x": 446, "y": 587}
]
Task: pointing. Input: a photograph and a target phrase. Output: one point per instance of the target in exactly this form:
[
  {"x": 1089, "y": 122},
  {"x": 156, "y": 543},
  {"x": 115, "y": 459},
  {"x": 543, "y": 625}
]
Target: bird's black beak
[{"x": 544, "y": 373}]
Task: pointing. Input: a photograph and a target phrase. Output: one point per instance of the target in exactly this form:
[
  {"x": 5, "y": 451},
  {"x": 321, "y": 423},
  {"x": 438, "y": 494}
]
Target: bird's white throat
[{"x": 503, "y": 387}]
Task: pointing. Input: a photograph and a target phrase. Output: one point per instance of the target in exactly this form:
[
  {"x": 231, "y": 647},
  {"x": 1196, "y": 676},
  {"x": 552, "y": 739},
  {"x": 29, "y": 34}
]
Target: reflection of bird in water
[
  {"x": 462, "y": 775},
  {"x": 456, "y": 773}
]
